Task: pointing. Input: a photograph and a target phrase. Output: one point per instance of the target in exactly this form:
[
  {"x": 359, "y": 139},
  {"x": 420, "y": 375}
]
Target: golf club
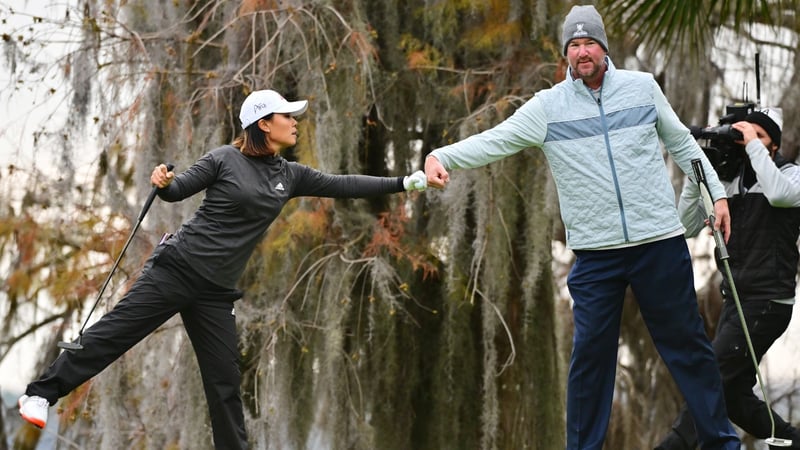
[
  {"x": 76, "y": 344},
  {"x": 708, "y": 204}
]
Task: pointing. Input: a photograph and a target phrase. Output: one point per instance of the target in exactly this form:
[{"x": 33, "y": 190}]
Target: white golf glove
[{"x": 417, "y": 181}]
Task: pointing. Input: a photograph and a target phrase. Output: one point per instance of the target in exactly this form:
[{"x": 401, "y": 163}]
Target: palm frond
[{"x": 683, "y": 26}]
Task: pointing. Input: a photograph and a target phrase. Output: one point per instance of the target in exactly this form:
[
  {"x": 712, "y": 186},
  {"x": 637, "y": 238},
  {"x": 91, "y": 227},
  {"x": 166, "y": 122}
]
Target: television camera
[{"x": 719, "y": 142}]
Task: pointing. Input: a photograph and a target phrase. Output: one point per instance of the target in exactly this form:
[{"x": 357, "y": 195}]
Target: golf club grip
[
  {"x": 152, "y": 196},
  {"x": 720, "y": 241},
  {"x": 708, "y": 206}
]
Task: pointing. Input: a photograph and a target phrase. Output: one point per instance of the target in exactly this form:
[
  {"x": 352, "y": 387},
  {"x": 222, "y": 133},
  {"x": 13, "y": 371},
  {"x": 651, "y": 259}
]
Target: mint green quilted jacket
[{"x": 605, "y": 156}]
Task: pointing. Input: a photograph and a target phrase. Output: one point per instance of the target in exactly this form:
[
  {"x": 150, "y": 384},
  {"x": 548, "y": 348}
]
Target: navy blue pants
[
  {"x": 166, "y": 287},
  {"x": 660, "y": 276}
]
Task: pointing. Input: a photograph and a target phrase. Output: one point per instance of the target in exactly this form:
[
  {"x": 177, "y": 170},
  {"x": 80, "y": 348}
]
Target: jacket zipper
[{"x": 611, "y": 163}]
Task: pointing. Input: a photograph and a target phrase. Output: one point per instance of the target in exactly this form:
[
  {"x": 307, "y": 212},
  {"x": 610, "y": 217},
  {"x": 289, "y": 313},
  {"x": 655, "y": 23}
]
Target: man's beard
[{"x": 584, "y": 74}]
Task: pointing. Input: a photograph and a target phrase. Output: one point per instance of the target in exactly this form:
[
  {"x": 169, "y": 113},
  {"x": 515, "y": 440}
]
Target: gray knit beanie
[{"x": 584, "y": 22}]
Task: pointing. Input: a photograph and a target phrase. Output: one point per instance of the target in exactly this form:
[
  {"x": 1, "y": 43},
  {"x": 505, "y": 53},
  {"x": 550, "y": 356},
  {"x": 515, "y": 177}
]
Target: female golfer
[{"x": 195, "y": 271}]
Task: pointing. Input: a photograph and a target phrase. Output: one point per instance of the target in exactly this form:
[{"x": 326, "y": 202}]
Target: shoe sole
[{"x": 33, "y": 421}]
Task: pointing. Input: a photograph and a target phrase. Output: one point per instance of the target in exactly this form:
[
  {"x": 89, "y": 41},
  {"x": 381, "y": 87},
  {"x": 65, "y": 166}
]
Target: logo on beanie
[{"x": 579, "y": 31}]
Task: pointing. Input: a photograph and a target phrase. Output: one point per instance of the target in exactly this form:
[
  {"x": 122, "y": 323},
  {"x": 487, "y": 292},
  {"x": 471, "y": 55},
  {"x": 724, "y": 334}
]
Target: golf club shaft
[
  {"x": 110, "y": 274},
  {"x": 145, "y": 208},
  {"x": 708, "y": 205},
  {"x": 735, "y": 294}
]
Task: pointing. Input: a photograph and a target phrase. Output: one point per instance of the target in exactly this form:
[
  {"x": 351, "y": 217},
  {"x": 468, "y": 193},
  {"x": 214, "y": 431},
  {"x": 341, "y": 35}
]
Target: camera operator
[{"x": 764, "y": 203}]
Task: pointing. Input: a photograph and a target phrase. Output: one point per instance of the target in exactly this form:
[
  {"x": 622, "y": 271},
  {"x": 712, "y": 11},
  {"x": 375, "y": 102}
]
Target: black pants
[
  {"x": 167, "y": 286},
  {"x": 766, "y": 322}
]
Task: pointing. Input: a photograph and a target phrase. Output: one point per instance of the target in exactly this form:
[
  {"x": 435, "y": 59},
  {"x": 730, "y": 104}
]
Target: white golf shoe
[{"x": 34, "y": 409}]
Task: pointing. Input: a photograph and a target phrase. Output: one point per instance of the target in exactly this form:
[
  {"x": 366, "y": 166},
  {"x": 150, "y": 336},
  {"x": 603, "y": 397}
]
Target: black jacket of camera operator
[{"x": 762, "y": 245}]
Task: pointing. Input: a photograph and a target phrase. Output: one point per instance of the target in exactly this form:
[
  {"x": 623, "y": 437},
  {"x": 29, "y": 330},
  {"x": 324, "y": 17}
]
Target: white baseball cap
[{"x": 263, "y": 103}]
